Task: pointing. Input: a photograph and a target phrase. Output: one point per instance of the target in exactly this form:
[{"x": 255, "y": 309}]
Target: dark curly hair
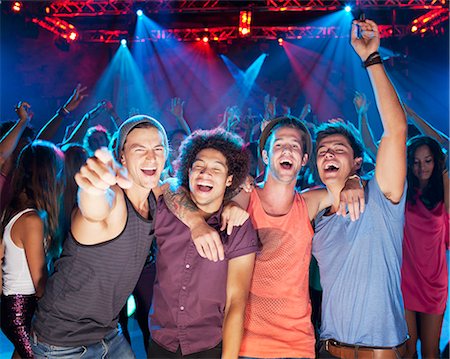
[
  {"x": 227, "y": 143},
  {"x": 433, "y": 193}
]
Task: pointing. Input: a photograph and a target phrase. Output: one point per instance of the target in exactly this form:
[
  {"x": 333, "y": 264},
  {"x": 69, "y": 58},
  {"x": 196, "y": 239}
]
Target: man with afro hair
[{"x": 198, "y": 304}]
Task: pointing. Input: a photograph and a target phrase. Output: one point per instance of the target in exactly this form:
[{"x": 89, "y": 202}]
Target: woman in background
[
  {"x": 28, "y": 227},
  {"x": 424, "y": 268}
]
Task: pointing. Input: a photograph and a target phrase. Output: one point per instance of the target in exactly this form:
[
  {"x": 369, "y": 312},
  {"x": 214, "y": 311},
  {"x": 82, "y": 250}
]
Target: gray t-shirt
[
  {"x": 91, "y": 284},
  {"x": 359, "y": 265}
]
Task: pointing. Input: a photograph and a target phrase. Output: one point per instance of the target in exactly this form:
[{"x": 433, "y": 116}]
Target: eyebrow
[{"x": 216, "y": 162}]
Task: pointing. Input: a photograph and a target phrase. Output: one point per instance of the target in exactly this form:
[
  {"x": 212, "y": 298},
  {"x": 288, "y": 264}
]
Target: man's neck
[
  {"x": 335, "y": 190},
  {"x": 138, "y": 197},
  {"x": 277, "y": 197}
]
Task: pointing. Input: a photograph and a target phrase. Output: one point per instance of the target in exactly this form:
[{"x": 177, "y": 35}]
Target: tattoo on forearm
[{"x": 179, "y": 202}]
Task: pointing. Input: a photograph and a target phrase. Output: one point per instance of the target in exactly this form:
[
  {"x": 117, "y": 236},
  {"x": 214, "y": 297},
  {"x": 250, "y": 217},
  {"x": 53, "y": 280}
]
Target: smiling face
[
  {"x": 284, "y": 157},
  {"x": 335, "y": 160},
  {"x": 208, "y": 179},
  {"x": 144, "y": 156},
  {"x": 423, "y": 164}
]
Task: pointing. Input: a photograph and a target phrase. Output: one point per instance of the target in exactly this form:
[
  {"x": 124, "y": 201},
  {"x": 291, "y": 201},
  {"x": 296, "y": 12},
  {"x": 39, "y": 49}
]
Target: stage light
[
  {"x": 17, "y": 6},
  {"x": 245, "y": 20},
  {"x": 414, "y": 28},
  {"x": 123, "y": 42},
  {"x": 139, "y": 12},
  {"x": 73, "y": 35},
  {"x": 348, "y": 8},
  {"x": 205, "y": 39},
  {"x": 280, "y": 41}
]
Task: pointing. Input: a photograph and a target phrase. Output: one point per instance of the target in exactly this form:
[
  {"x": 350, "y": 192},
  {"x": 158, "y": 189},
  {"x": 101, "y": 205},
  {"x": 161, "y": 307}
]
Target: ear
[
  {"x": 122, "y": 160},
  {"x": 305, "y": 159},
  {"x": 357, "y": 163},
  {"x": 229, "y": 181},
  {"x": 265, "y": 157}
]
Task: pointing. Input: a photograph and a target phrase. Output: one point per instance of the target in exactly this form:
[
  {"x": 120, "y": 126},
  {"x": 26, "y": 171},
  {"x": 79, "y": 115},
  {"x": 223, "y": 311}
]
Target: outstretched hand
[
  {"x": 75, "y": 99},
  {"x": 23, "y": 111},
  {"x": 369, "y": 40},
  {"x": 100, "y": 172}
]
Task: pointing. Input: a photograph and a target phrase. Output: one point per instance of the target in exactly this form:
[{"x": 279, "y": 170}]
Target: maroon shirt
[{"x": 189, "y": 294}]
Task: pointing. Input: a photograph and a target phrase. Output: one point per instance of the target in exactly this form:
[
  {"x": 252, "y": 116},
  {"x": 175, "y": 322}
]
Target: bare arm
[
  {"x": 176, "y": 109},
  {"x": 361, "y": 107},
  {"x": 101, "y": 213},
  {"x": 426, "y": 128},
  {"x": 390, "y": 170},
  {"x": 30, "y": 229},
  {"x": 9, "y": 142},
  {"x": 205, "y": 238},
  {"x": 49, "y": 130},
  {"x": 240, "y": 271}
]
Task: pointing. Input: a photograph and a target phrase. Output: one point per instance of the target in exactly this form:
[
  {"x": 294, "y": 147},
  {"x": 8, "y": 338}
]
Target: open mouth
[
  {"x": 331, "y": 167},
  {"x": 286, "y": 164},
  {"x": 149, "y": 171},
  {"x": 203, "y": 187}
]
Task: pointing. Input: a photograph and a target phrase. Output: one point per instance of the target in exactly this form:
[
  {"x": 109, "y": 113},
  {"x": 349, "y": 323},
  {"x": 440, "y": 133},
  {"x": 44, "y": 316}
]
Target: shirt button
[
  {"x": 188, "y": 266},
  {"x": 183, "y": 287},
  {"x": 181, "y": 308}
]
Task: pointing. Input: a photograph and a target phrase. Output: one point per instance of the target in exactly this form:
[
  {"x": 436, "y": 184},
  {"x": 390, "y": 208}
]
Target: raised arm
[
  {"x": 361, "y": 106},
  {"x": 176, "y": 109},
  {"x": 390, "y": 170},
  {"x": 426, "y": 128},
  {"x": 101, "y": 213},
  {"x": 80, "y": 131},
  {"x": 9, "y": 142},
  {"x": 240, "y": 271},
  {"x": 49, "y": 130}
]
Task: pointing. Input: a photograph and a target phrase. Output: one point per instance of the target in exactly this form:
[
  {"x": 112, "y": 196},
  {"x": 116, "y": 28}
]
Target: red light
[
  {"x": 17, "y": 6},
  {"x": 73, "y": 35},
  {"x": 205, "y": 39},
  {"x": 245, "y": 20}
]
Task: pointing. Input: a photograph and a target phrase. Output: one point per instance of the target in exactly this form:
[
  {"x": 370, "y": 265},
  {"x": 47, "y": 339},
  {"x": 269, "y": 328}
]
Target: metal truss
[
  {"x": 65, "y": 8},
  {"x": 221, "y": 34}
]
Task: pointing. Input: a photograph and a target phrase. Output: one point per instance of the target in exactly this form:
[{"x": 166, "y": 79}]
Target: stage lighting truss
[
  {"x": 429, "y": 22},
  {"x": 245, "y": 21},
  {"x": 59, "y": 27},
  {"x": 221, "y": 34},
  {"x": 112, "y": 7}
]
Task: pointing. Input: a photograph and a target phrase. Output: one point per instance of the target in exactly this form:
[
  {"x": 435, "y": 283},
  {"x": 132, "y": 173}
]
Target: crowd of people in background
[{"x": 269, "y": 236}]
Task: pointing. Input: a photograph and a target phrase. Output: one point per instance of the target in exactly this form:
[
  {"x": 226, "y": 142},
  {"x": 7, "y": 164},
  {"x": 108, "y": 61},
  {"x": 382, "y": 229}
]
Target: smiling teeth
[{"x": 327, "y": 166}]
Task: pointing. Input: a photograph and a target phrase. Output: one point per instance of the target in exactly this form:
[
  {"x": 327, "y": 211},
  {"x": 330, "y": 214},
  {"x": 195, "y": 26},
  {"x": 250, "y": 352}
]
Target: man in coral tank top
[{"x": 278, "y": 313}]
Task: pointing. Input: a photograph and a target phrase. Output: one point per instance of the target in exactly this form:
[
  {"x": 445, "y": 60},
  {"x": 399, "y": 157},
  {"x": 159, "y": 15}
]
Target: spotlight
[
  {"x": 73, "y": 36},
  {"x": 123, "y": 42},
  {"x": 17, "y": 6},
  {"x": 280, "y": 41},
  {"x": 205, "y": 39},
  {"x": 245, "y": 20},
  {"x": 139, "y": 12},
  {"x": 414, "y": 28},
  {"x": 348, "y": 8}
]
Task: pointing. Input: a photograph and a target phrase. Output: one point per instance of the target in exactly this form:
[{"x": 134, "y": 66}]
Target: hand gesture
[
  {"x": 76, "y": 98},
  {"x": 100, "y": 172},
  {"x": 176, "y": 107},
  {"x": 360, "y": 102},
  {"x": 369, "y": 40},
  {"x": 231, "y": 117},
  {"x": 352, "y": 198},
  {"x": 232, "y": 216},
  {"x": 23, "y": 111},
  {"x": 207, "y": 242}
]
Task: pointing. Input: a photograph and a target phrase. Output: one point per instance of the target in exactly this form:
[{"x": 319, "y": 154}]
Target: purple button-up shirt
[{"x": 189, "y": 294}]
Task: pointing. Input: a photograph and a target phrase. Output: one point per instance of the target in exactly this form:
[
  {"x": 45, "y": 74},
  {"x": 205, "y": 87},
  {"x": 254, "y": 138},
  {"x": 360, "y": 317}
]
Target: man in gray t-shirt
[{"x": 359, "y": 262}]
